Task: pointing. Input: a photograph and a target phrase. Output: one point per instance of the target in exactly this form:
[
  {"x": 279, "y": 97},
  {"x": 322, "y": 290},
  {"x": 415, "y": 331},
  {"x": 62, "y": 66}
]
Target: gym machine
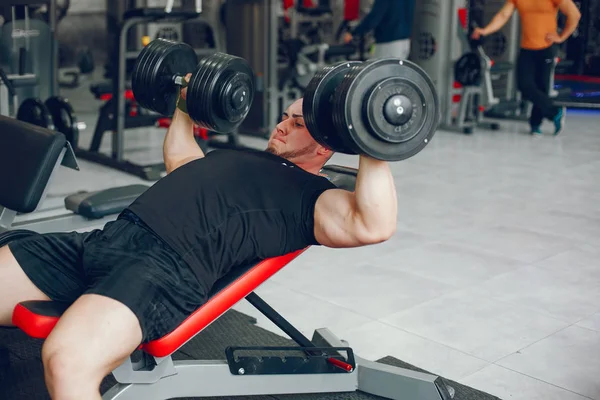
[
  {"x": 114, "y": 114},
  {"x": 300, "y": 15},
  {"x": 18, "y": 47},
  {"x": 25, "y": 182},
  {"x": 441, "y": 32},
  {"x": 9, "y": 98}
]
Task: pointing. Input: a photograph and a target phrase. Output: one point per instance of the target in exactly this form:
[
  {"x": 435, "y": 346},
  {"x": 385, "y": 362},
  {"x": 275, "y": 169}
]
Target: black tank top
[{"x": 231, "y": 208}]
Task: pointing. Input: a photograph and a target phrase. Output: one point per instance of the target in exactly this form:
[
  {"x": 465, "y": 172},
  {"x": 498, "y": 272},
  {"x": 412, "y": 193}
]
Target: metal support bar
[
  {"x": 65, "y": 222},
  {"x": 140, "y": 372},
  {"x": 7, "y": 217},
  {"x": 278, "y": 320},
  {"x": 213, "y": 378},
  {"x": 388, "y": 381}
]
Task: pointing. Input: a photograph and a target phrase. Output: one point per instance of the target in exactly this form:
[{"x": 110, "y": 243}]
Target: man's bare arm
[
  {"x": 179, "y": 146},
  {"x": 366, "y": 216},
  {"x": 499, "y": 20},
  {"x": 573, "y": 15}
]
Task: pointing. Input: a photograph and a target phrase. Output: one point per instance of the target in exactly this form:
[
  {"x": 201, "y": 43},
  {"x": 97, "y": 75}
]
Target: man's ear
[{"x": 324, "y": 151}]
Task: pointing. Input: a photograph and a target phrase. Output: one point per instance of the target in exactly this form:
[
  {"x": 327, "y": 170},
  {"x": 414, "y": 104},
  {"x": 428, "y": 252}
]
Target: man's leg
[
  {"x": 138, "y": 290},
  {"x": 94, "y": 336},
  {"x": 545, "y": 69},
  {"x": 40, "y": 267},
  {"x": 529, "y": 65},
  {"x": 15, "y": 286}
]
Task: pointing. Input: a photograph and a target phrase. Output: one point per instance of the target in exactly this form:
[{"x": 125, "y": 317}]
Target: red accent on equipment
[
  {"x": 340, "y": 364},
  {"x": 34, "y": 325},
  {"x": 577, "y": 78},
  {"x": 462, "y": 17},
  {"x": 163, "y": 122},
  {"x": 40, "y": 326},
  {"x": 351, "y": 10},
  {"x": 218, "y": 304}
]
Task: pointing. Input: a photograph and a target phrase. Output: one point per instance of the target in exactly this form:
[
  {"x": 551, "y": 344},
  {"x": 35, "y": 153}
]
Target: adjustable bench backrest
[{"x": 28, "y": 156}]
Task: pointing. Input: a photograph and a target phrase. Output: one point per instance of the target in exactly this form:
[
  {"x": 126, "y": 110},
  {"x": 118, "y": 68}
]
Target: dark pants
[{"x": 534, "y": 69}]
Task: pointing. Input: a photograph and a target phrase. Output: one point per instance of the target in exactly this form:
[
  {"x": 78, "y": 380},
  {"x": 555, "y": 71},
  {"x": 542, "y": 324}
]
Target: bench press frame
[{"x": 157, "y": 376}]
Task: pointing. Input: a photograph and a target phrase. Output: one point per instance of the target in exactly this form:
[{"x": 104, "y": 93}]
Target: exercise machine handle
[{"x": 8, "y": 83}]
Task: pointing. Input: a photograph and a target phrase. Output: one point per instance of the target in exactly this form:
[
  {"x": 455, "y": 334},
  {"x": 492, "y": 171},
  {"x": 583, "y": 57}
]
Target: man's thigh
[
  {"x": 93, "y": 337},
  {"x": 40, "y": 267},
  {"x": 138, "y": 270}
]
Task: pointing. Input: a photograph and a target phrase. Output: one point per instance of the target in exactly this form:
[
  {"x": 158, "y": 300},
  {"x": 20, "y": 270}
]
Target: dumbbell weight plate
[
  {"x": 220, "y": 92},
  {"x": 35, "y": 112},
  {"x": 152, "y": 78},
  {"x": 387, "y": 108},
  {"x": 317, "y": 106},
  {"x": 64, "y": 118},
  {"x": 467, "y": 70}
]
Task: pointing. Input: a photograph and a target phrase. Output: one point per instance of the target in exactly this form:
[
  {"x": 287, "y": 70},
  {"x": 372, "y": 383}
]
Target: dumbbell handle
[{"x": 180, "y": 81}]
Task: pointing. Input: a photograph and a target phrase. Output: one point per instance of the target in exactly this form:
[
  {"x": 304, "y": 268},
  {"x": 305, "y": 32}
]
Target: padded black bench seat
[{"x": 99, "y": 204}]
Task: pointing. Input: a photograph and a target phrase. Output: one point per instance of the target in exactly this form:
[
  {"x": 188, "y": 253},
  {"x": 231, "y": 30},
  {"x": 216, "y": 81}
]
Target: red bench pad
[{"x": 38, "y": 318}]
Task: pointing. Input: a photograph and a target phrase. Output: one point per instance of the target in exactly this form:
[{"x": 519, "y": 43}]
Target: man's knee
[
  {"x": 69, "y": 374},
  {"x": 526, "y": 87}
]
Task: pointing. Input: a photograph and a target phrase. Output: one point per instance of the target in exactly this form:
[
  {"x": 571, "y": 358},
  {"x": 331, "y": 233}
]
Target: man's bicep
[
  {"x": 335, "y": 224},
  {"x": 567, "y": 7},
  {"x": 508, "y": 9}
]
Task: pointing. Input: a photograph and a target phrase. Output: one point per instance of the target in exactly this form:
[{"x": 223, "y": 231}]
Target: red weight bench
[{"x": 319, "y": 365}]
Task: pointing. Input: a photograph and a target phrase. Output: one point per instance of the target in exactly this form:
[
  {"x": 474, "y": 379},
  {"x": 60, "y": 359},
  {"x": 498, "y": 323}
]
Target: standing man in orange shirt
[{"x": 535, "y": 63}]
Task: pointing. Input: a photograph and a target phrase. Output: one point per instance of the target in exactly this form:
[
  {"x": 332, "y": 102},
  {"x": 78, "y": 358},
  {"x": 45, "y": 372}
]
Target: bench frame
[
  {"x": 207, "y": 378},
  {"x": 157, "y": 376}
]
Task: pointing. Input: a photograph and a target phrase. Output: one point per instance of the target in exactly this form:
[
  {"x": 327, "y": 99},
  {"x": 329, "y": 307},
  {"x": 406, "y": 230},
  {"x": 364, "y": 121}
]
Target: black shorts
[{"x": 124, "y": 261}]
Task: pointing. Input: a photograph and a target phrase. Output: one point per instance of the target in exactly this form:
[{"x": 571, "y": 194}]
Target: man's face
[{"x": 290, "y": 139}]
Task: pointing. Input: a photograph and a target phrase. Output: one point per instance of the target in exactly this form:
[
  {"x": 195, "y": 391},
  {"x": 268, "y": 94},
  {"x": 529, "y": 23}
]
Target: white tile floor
[{"x": 493, "y": 278}]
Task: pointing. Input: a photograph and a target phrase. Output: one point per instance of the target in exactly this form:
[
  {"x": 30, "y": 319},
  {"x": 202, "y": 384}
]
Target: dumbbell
[
  {"x": 219, "y": 93},
  {"x": 56, "y": 113},
  {"x": 387, "y": 108}
]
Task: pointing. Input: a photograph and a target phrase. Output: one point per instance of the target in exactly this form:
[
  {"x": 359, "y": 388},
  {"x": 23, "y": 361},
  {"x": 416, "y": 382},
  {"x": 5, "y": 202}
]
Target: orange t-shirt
[{"x": 538, "y": 18}]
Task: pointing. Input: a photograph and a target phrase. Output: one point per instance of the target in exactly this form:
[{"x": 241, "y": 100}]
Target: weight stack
[{"x": 25, "y": 49}]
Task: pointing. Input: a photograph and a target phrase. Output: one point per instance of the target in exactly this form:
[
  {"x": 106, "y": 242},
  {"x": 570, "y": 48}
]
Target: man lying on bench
[{"x": 138, "y": 278}]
